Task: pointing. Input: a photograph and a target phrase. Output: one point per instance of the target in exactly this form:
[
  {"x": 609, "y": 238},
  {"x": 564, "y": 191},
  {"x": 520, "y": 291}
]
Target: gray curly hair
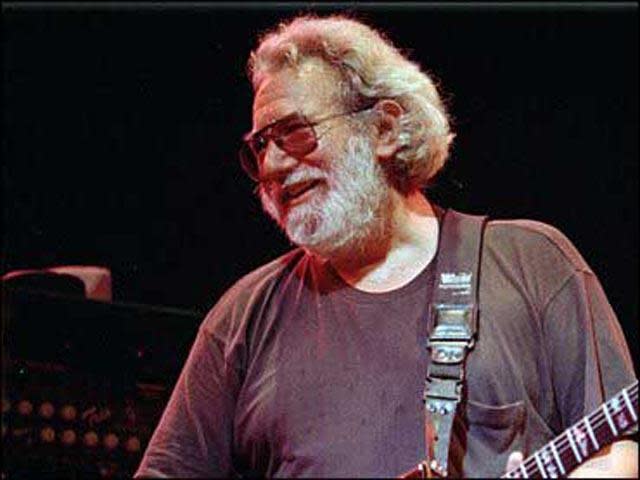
[{"x": 374, "y": 69}]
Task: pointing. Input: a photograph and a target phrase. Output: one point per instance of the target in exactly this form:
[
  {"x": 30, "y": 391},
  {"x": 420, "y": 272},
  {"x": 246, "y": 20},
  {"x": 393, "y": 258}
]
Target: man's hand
[
  {"x": 618, "y": 460},
  {"x": 514, "y": 461}
]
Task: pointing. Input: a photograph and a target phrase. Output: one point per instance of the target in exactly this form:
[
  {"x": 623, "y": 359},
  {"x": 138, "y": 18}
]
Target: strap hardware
[
  {"x": 448, "y": 352},
  {"x": 437, "y": 388},
  {"x": 453, "y": 322},
  {"x": 453, "y": 318}
]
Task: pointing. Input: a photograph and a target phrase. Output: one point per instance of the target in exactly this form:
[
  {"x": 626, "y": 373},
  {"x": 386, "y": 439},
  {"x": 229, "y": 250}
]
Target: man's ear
[{"x": 388, "y": 113}]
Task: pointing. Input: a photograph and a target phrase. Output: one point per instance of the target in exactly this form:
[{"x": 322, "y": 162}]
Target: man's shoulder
[
  {"x": 251, "y": 290},
  {"x": 533, "y": 240},
  {"x": 269, "y": 273}
]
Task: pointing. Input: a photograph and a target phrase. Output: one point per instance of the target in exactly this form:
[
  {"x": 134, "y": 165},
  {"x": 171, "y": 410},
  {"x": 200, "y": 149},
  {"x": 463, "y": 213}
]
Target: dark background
[{"x": 121, "y": 124}]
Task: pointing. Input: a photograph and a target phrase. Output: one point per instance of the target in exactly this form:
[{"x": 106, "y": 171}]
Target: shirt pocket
[{"x": 484, "y": 436}]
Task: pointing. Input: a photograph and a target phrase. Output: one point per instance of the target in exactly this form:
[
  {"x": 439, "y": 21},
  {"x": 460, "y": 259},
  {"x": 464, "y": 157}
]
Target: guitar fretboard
[{"x": 576, "y": 444}]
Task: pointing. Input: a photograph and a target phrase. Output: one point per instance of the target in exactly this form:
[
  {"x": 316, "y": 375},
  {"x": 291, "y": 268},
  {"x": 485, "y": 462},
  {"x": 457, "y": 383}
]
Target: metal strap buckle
[
  {"x": 452, "y": 322},
  {"x": 448, "y": 352},
  {"x": 444, "y": 389}
]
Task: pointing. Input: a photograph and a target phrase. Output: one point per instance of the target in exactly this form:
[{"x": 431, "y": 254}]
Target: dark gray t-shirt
[{"x": 294, "y": 373}]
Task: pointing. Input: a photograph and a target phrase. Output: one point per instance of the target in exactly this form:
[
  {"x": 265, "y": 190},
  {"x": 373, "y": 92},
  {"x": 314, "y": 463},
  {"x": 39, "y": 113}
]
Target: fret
[
  {"x": 609, "y": 419},
  {"x": 540, "y": 466},
  {"x": 524, "y": 471},
  {"x": 557, "y": 457},
  {"x": 573, "y": 446},
  {"x": 619, "y": 414},
  {"x": 582, "y": 442},
  {"x": 627, "y": 400},
  {"x": 548, "y": 462},
  {"x": 614, "y": 405},
  {"x": 596, "y": 445}
]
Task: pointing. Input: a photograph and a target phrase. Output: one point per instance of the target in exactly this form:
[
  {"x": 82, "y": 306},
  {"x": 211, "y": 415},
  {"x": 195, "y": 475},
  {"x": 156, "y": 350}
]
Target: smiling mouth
[{"x": 295, "y": 192}]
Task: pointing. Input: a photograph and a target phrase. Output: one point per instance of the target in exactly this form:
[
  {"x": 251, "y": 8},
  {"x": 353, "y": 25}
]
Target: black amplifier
[{"x": 84, "y": 382}]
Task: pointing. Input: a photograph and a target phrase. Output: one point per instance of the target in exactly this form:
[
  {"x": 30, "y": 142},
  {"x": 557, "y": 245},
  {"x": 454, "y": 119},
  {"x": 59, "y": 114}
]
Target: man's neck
[{"x": 412, "y": 244}]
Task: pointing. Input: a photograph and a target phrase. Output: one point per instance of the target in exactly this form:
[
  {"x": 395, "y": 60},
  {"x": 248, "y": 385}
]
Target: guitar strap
[{"x": 453, "y": 321}]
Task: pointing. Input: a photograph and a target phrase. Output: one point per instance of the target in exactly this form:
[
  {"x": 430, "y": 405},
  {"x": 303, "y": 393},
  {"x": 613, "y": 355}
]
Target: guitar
[{"x": 576, "y": 444}]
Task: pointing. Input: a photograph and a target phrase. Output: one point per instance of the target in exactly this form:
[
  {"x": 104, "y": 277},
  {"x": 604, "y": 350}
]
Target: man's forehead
[
  {"x": 312, "y": 90},
  {"x": 273, "y": 98}
]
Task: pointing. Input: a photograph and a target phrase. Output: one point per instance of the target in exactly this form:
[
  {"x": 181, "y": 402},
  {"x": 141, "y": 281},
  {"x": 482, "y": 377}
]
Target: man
[{"x": 314, "y": 364}]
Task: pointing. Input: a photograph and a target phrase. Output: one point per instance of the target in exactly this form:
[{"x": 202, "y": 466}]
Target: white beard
[{"x": 349, "y": 214}]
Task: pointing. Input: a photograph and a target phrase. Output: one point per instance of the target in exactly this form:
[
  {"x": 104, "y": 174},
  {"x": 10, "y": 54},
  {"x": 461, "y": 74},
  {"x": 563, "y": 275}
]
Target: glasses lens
[
  {"x": 248, "y": 161},
  {"x": 300, "y": 141},
  {"x": 293, "y": 137}
]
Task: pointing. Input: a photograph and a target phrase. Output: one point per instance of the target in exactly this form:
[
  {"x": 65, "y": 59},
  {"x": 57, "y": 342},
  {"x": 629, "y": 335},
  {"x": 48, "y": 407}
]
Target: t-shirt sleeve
[
  {"x": 194, "y": 435},
  {"x": 590, "y": 360}
]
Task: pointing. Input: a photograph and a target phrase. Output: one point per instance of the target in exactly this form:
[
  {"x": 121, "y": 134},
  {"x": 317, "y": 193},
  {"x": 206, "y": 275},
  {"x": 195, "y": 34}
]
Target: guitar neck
[{"x": 576, "y": 444}]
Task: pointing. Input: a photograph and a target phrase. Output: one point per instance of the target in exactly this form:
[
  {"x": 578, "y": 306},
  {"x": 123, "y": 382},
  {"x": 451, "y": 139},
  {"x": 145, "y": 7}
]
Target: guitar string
[
  {"x": 562, "y": 444},
  {"x": 599, "y": 418}
]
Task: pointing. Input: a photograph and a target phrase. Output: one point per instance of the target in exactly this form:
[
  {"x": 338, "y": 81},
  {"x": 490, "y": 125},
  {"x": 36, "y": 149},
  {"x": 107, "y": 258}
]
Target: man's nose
[{"x": 276, "y": 162}]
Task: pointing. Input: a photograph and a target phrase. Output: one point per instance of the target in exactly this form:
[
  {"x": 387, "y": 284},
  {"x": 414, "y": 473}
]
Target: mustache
[{"x": 283, "y": 181}]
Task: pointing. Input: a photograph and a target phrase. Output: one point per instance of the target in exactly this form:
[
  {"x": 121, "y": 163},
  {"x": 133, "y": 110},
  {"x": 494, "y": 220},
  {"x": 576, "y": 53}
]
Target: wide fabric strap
[{"x": 453, "y": 317}]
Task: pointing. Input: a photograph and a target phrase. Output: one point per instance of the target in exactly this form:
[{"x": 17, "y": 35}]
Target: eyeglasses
[{"x": 293, "y": 134}]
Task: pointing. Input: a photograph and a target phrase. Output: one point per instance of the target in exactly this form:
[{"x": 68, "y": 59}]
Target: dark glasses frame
[{"x": 293, "y": 134}]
